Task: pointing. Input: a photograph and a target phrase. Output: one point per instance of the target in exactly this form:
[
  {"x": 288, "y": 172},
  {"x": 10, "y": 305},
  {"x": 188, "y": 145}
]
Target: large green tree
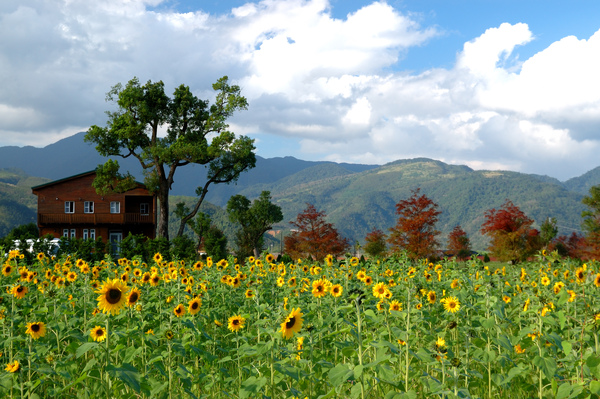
[
  {"x": 196, "y": 133},
  {"x": 255, "y": 218}
]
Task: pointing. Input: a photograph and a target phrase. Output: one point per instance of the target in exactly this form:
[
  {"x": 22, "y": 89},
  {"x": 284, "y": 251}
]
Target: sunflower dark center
[
  {"x": 113, "y": 296},
  {"x": 320, "y": 288},
  {"x": 99, "y": 332},
  {"x": 20, "y": 289},
  {"x": 133, "y": 297},
  {"x": 235, "y": 322},
  {"x": 290, "y": 323},
  {"x": 35, "y": 328},
  {"x": 178, "y": 310},
  {"x": 195, "y": 305}
]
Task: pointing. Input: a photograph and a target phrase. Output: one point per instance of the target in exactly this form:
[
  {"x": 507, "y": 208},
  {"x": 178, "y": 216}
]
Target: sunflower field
[{"x": 392, "y": 328}]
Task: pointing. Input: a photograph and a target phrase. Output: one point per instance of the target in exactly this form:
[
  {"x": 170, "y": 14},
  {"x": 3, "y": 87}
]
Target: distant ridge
[{"x": 355, "y": 197}]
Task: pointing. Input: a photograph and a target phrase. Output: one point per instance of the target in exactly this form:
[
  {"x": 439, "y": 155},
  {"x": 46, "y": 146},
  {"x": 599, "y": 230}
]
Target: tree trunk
[{"x": 163, "y": 221}]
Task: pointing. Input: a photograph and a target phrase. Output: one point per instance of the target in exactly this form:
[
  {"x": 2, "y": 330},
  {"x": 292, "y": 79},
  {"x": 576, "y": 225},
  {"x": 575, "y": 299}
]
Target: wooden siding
[{"x": 52, "y": 218}]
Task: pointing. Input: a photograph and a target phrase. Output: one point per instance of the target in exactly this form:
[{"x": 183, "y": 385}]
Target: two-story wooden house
[{"x": 70, "y": 207}]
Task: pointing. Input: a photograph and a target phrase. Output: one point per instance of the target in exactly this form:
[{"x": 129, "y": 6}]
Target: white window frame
[
  {"x": 69, "y": 206},
  {"x": 66, "y": 233},
  {"x": 115, "y": 207},
  {"x": 92, "y": 234},
  {"x": 144, "y": 206},
  {"x": 73, "y": 233},
  {"x": 88, "y": 207},
  {"x": 85, "y": 234}
]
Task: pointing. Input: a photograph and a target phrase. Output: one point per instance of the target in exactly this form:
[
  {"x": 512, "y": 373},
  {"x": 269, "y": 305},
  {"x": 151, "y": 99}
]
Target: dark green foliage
[
  {"x": 215, "y": 243},
  {"x": 183, "y": 247}
]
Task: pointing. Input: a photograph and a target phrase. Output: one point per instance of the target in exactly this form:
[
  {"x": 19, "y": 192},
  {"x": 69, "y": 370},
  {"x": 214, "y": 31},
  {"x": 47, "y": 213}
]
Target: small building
[{"x": 70, "y": 207}]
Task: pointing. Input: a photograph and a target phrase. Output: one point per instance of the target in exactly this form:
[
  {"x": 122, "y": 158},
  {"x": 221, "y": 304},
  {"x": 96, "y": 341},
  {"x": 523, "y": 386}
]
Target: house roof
[{"x": 89, "y": 172}]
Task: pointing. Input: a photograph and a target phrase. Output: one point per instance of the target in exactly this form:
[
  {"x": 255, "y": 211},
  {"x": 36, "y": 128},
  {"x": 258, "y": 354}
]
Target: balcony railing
[{"x": 94, "y": 218}]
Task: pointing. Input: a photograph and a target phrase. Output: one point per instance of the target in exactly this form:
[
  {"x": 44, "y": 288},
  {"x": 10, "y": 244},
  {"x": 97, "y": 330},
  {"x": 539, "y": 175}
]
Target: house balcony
[{"x": 94, "y": 218}]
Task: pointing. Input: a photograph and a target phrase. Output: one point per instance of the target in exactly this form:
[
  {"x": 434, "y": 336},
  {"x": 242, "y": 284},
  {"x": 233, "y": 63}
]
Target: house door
[{"x": 115, "y": 239}]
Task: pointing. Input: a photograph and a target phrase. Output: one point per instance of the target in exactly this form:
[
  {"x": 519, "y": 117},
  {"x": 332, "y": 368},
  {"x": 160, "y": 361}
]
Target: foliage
[
  {"x": 415, "y": 231},
  {"x": 197, "y": 134},
  {"x": 254, "y": 220},
  {"x": 375, "y": 243},
  {"x": 512, "y": 237},
  {"x": 548, "y": 231},
  {"x": 459, "y": 243},
  {"x": 215, "y": 243},
  {"x": 591, "y": 222},
  {"x": 313, "y": 236}
]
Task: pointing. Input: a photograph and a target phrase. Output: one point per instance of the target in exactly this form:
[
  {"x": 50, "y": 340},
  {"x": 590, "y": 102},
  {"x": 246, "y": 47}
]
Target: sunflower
[
  {"x": 194, "y": 305},
  {"x": 40, "y": 256},
  {"x": 451, "y": 304},
  {"x": 395, "y": 306},
  {"x": 597, "y": 280},
  {"x": 249, "y": 294},
  {"x": 379, "y": 290},
  {"x": 19, "y": 291},
  {"x": 36, "y": 329},
  {"x": 336, "y": 290},
  {"x": 158, "y": 258},
  {"x": 133, "y": 296},
  {"x": 269, "y": 258},
  {"x": 354, "y": 261},
  {"x": 580, "y": 274},
  {"x": 112, "y": 296},
  {"x": 368, "y": 280},
  {"x": 319, "y": 289},
  {"x": 169, "y": 335},
  {"x": 71, "y": 277},
  {"x": 361, "y": 275},
  {"x": 526, "y": 305},
  {"x": 154, "y": 279},
  {"x": 431, "y": 297},
  {"x": 292, "y": 324},
  {"x": 558, "y": 286},
  {"x": 235, "y": 323},
  {"x": 440, "y": 345},
  {"x": 519, "y": 350},
  {"x": 7, "y": 270},
  {"x": 506, "y": 299},
  {"x": 98, "y": 334},
  {"x": 572, "y": 295},
  {"x": 179, "y": 310},
  {"x": 545, "y": 281},
  {"x": 13, "y": 367}
]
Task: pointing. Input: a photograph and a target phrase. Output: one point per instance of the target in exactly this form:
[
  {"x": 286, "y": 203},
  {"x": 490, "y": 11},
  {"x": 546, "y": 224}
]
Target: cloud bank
[{"x": 334, "y": 86}]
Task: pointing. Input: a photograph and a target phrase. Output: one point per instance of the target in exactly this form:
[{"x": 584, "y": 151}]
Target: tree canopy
[
  {"x": 591, "y": 222},
  {"x": 459, "y": 243},
  {"x": 415, "y": 231},
  {"x": 512, "y": 237},
  {"x": 313, "y": 236},
  {"x": 254, "y": 219},
  {"x": 196, "y": 133}
]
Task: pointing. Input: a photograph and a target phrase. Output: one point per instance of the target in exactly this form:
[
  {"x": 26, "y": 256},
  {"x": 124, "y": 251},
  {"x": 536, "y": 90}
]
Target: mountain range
[{"x": 355, "y": 197}]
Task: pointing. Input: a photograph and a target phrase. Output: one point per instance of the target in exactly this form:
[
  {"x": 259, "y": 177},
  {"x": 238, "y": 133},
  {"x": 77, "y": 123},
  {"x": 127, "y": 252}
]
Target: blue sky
[{"x": 491, "y": 84}]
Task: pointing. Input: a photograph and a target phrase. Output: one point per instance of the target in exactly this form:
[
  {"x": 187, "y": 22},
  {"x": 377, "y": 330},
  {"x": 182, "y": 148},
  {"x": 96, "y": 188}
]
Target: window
[
  {"x": 85, "y": 234},
  {"x": 69, "y": 206},
  {"x": 73, "y": 233},
  {"x": 145, "y": 209},
  {"x": 115, "y": 207},
  {"x": 88, "y": 207},
  {"x": 92, "y": 234},
  {"x": 66, "y": 233}
]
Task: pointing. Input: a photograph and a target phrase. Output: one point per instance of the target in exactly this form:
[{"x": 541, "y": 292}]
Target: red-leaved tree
[
  {"x": 459, "y": 243},
  {"x": 415, "y": 231},
  {"x": 313, "y": 236},
  {"x": 375, "y": 243},
  {"x": 573, "y": 246},
  {"x": 512, "y": 237}
]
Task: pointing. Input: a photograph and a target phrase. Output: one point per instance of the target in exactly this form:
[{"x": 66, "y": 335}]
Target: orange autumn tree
[
  {"x": 459, "y": 243},
  {"x": 415, "y": 231},
  {"x": 313, "y": 236},
  {"x": 512, "y": 237}
]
